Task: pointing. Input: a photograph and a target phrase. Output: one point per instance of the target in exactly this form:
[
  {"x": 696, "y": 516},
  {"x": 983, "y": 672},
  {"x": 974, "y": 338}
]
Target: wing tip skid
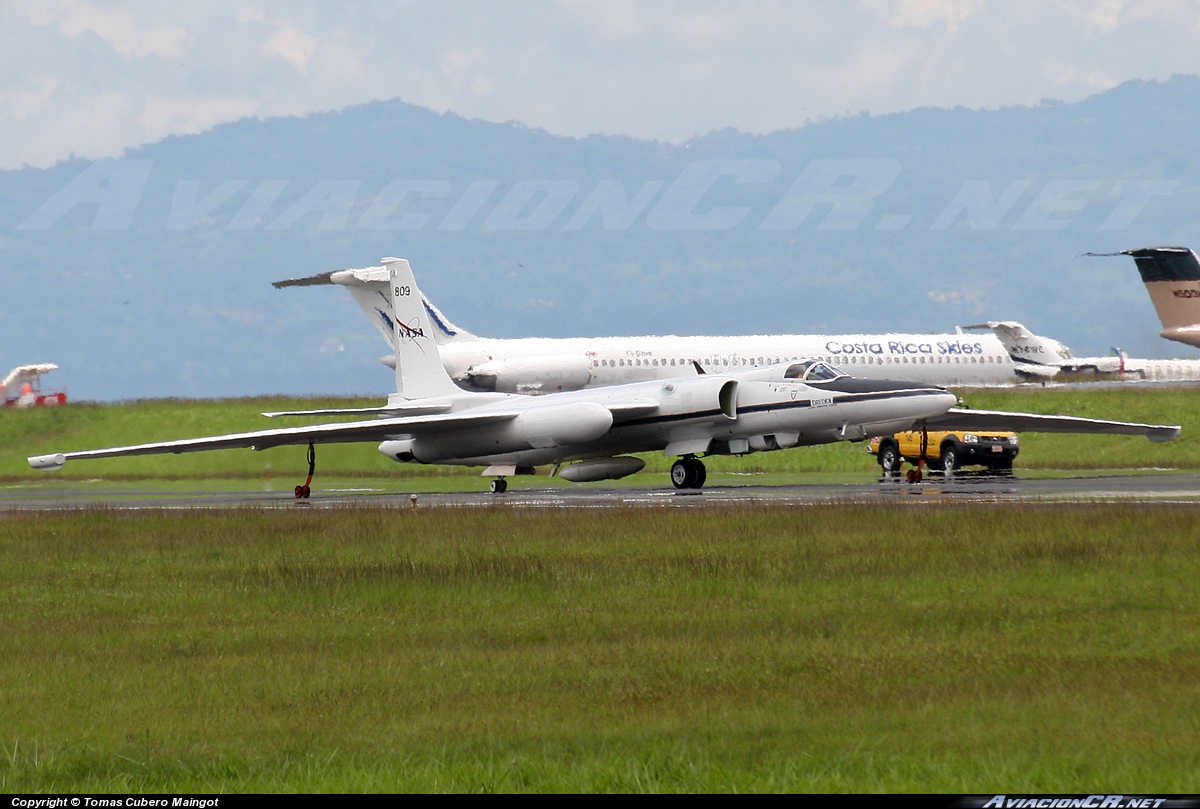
[
  {"x": 48, "y": 463},
  {"x": 1160, "y": 435}
]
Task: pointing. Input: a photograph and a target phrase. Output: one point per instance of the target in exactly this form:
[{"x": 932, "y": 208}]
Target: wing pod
[{"x": 602, "y": 469}]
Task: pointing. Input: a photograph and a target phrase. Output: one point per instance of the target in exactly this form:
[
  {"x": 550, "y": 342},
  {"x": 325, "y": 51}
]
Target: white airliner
[
  {"x": 542, "y": 365},
  {"x": 431, "y": 420},
  {"x": 1009, "y": 355},
  {"x": 1172, "y": 277},
  {"x": 22, "y": 387},
  {"x": 1050, "y": 360}
]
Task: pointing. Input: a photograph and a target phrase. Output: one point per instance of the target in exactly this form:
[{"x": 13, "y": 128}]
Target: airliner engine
[{"x": 547, "y": 374}]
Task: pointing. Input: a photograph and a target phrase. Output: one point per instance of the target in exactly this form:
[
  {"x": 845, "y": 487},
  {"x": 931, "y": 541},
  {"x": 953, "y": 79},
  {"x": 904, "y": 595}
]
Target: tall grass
[{"x": 823, "y": 648}]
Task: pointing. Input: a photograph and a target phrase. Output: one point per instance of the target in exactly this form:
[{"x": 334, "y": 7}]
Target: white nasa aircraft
[
  {"x": 1050, "y": 360},
  {"x": 1172, "y": 277},
  {"x": 20, "y": 388},
  {"x": 431, "y": 420},
  {"x": 543, "y": 365}
]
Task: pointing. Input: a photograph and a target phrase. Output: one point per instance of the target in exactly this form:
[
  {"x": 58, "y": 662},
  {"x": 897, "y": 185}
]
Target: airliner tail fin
[{"x": 1172, "y": 277}]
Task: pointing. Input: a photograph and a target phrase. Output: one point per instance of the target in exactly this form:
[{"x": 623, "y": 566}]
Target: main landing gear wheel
[
  {"x": 499, "y": 486},
  {"x": 688, "y": 473}
]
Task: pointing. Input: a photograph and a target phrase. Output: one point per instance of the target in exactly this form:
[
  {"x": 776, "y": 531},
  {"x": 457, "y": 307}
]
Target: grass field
[
  {"x": 85, "y": 426},
  {"x": 842, "y": 648}
]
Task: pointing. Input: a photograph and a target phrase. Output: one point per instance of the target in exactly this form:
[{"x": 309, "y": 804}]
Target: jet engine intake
[{"x": 703, "y": 393}]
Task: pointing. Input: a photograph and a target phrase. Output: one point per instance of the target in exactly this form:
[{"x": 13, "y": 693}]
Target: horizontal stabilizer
[
  {"x": 311, "y": 281},
  {"x": 370, "y": 289},
  {"x": 980, "y": 420}
]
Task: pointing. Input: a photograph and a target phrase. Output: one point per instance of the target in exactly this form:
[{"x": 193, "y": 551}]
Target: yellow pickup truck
[{"x": 946, "y": 451}]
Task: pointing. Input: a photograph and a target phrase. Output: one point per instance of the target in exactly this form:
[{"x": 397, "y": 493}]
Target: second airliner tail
[{"x": 1172, "y": 277}]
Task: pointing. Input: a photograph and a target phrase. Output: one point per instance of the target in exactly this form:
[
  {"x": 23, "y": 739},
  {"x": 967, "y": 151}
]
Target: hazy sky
[{"x": 92, "y": 78}]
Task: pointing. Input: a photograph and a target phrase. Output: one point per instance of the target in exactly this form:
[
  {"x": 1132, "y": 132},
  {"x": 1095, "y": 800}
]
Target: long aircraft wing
[
  {"x": 339, "y": 433},
  {"x": 962, "y": 419},
  {"x": 396, "y": 410}
]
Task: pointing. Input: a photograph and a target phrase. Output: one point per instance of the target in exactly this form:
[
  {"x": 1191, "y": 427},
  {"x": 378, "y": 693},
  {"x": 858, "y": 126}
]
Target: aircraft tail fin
[
  {"x": 1172, "y": 277},
  {"x": 370, "y": 288},
  {"x": 1023, "y": 345},
  {"x": 419, "y": 370},
  {"x": 22, "y": 374}
]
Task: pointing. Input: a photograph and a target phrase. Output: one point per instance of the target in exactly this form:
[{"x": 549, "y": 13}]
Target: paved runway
[{"x": 1139, "y": 488}]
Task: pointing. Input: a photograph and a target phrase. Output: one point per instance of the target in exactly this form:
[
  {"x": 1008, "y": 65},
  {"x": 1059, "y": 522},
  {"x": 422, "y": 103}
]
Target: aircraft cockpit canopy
[{"x": 812, "y": 371}]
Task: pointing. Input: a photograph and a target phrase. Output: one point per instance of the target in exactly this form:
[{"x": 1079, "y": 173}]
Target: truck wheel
[
  {"x": 949, "y": 460},
  {"x": 889, "y": 460}
]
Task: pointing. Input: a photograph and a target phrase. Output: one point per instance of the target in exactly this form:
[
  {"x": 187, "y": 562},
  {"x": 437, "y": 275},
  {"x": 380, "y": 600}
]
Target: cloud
[
  {"x": 292, "y": 45},
  {"x": 665, "y": 69},
  {"x": 114, "y": 26},
  {"x": 1098, "y": 15},
  {"x": 875, "y": 67},
  {"x": 924, "y": 13},
  {"x": 167, "y": 116},
  {"x": 613, "y": 19},
  {"x": 289, "y": 42},
  {"x": 462, "y": 70},
  {"x": 23, "y": 103}
]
